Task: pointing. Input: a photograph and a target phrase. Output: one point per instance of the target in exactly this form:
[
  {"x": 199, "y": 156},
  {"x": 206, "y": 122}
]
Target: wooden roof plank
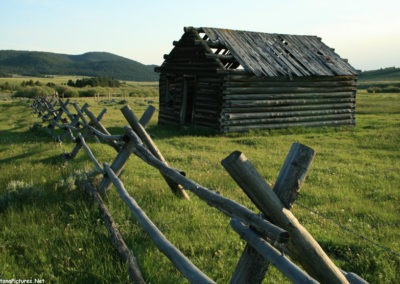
[
  {"x": 340, "y": 63},
  {"x": 267, "y": 58},
  {"x": 271, "y": 55},
  {"x": 279, "y": 51},
  {"x": 307, "y": 56}
]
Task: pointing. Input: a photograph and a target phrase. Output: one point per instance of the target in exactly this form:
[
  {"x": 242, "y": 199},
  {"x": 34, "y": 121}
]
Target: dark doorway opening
[{"x": 188, "y": 100}]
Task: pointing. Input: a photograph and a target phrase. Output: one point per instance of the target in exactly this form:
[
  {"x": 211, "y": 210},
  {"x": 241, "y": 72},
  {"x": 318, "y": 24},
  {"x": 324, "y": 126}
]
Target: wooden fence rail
[{"x": 266, "y": 235}]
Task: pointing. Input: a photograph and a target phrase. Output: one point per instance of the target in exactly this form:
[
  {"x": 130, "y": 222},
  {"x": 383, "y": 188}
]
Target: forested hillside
[
  {"x": 95, "y": 64},
  {"x": 383, "y": 74}
]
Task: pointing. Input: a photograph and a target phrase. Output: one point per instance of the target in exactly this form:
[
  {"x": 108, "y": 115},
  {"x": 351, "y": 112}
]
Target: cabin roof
[{"x": 274, "y": 55}]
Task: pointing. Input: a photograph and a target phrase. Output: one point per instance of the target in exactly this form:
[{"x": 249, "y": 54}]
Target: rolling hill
[
  {"x": 383, "y": 74},
  {"x": 95, "y": 64}
]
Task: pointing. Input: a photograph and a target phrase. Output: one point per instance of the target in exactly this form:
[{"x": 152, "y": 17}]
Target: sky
[{"x": 365, "y": 32}]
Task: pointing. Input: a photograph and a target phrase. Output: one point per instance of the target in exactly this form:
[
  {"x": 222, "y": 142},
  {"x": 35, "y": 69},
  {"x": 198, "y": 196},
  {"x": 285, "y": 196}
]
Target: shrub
[
  {"x": 66, "y": 92},
  {"x": 7, "y": 87},
  {"x": 87, "y": 93},
  {"x": 391, "y": 89},
  {"x": 374, "y": 90},
  {"x": 31, "y": 92}
]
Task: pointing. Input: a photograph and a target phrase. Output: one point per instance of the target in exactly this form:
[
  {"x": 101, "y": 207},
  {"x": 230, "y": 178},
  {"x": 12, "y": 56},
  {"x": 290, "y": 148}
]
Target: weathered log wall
[
  {"x": 251, "y": 102},
  {"x": 189, "y": 85}
]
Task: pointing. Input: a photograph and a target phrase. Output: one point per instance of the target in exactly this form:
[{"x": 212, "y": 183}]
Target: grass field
[{"x": 49, "y": 229}]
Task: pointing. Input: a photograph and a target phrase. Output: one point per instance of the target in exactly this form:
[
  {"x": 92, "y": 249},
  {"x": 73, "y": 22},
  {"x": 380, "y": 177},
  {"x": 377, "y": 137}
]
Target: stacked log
[
  {"x": 251, "y": 102},
  {"x": 207, "y": 104}
]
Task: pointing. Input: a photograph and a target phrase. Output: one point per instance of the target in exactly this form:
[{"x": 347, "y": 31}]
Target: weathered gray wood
[
  {"x": 95, "y": 121},
  {"x": 276, "y": 114},
  {"x": 251, "y": 267},
  {"x": 105, "y": 137},
  {"x": 75, "y": 151},
  {"x": 220, "y": 56},
  {"x": 78, "y": 144},
  {"x": 117, "y": 165},
  {"x": 225, "y": 205},
  {"x": 90, "y": 153},
  {"x": 301, "y": 244},
  {"x": 65, "y": 109},
  {"x": 78, "y": 110},
  {"x": 293, "y": 83},
  {"x": 259, "y": 103},
  {"x": 290, "y": 119},
  {"x": 139, "y": 129},
  {"x": 146, "y": 116},
  {"x": 282, "y": 125},
  {"x": 293, "y": 173},
  {"x": 288, "y": 95},
  {"x": 116, "y": 238},
  {"x": 354, "y": 278},
  {"x": 184, "y": 265},
  {"x": 268, "y": 252},
  {"x": 288, "y": 107},
  {"x": 246, "y": 78}
]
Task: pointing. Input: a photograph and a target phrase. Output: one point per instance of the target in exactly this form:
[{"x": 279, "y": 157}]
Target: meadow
[{"x": 51, "y": 230}]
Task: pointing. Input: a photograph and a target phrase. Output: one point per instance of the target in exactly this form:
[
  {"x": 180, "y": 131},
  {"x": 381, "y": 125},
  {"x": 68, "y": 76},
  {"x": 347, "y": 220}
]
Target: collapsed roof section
[{"x": 271, "y": 55}]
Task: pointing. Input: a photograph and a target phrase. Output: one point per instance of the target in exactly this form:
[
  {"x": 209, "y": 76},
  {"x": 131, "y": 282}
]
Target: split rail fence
[{"x": 270, "y": 236}]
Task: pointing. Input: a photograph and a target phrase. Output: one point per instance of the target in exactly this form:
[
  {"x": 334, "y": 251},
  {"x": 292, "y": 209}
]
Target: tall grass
[{"x": 50, "y": 229}]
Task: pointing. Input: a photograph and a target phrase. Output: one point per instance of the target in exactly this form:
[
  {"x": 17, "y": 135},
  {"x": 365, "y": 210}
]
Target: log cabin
[{"x": 230, "y": 81}]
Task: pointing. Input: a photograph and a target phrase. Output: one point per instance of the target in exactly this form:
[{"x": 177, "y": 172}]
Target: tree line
[{"x": 94, "y": 82}]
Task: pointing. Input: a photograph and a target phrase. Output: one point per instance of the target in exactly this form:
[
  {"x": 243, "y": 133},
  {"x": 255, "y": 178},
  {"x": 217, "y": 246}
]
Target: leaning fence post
[
  {"x": 293, "y": 172},
  {"x": 289, "y": 269},
  {"x": 252, "y": 267},
  {"x": 116, "y": 238},
  {"x": 146, "y": 139},
  {"x": 184, "y": 265},
  {"x": 65, "y": 109},
  {"x": 302, "y": 245},
  {"x": 95, "y": 121},
  {"x": 146, "y": 116},
  {"x": 117, "y": 165}
]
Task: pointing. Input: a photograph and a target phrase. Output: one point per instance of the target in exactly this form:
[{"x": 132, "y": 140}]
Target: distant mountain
[
  {"x": 383, "y": 74},
  {"x": 94, "y": 64}
]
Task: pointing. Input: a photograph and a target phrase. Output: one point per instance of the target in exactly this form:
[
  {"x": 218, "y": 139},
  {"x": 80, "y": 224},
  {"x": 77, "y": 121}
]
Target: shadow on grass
[
  {"x": 167, "y": 131},
  {"x": 11, "y": 136},
  {"x": 18, "y": 157}
]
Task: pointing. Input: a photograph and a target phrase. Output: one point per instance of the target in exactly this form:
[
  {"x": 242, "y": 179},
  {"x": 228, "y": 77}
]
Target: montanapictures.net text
[{"x": 22, "y": 281}]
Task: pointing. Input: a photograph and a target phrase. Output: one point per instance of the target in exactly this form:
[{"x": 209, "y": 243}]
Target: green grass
[{"x": 49, "y": 229}]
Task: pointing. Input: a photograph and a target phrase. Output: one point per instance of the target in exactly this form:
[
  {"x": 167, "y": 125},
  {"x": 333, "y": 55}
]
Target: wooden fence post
[
  {"x": 252, "y": 267},
  {"x": 95, "y": 121},
  {"x": 145, "y": 137},
  {"x": 117, "y": 165},
  {"x": 293, "y": 173},
  {"x": 146, "y": 116},
  {"x": 184, "y": 265},
  {"x": 301, "y": 244},
  {"x": 268, "y": 252},
  {"x": 116, "y": 238},
  {"x": 65, "y": 109}
]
